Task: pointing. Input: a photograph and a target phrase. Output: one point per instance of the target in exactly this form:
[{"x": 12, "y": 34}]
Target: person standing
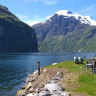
[
  {"x": 79, "y": 59},
  {"x": 75, "y": 59},
  {"x": 38, "y": 65},
  {"x": 94, "y": 65}
]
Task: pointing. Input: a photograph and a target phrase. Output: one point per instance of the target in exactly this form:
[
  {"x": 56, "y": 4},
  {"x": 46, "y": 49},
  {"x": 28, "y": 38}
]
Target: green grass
[
  {"x": 71, "y": 66},
  {"x": 86, "y": 83}
]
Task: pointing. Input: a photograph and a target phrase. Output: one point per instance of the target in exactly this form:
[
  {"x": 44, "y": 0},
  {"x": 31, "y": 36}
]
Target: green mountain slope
[
  {"x": 61, "y": 34},
  {"x": 15, "y": 36}
]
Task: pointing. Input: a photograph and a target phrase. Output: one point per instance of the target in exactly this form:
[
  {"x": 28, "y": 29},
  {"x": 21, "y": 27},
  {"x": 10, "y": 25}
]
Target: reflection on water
[{"x": 15, "y": 67}]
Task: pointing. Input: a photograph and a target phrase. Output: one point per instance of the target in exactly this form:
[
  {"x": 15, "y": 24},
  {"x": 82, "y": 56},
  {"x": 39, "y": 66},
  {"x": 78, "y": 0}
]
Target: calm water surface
[{"x": 15, "y": 67}]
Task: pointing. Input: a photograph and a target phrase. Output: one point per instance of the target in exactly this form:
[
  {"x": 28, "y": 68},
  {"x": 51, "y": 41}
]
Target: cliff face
[
  {"x": 65, "y": 34},
  {"x": 15, "y": 36}
]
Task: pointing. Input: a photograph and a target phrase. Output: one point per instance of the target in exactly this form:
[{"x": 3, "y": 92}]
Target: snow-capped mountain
[
  {"x": 82, "y": 19},
  {"x": 68, "y": 14},
  {"x": 66, "y": 31}
]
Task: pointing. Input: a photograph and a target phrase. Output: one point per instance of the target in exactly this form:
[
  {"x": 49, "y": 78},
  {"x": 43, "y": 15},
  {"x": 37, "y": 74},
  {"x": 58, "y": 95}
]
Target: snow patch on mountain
[
  {"x": 68, "y": 14},
  {"x": 82, "y": 19}
]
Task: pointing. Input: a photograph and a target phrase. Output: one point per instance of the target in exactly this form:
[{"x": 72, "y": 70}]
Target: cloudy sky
[{"x": 33, "y": 11}]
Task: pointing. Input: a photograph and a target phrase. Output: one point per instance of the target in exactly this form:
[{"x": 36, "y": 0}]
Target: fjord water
[{"x": 15, "y": 67}]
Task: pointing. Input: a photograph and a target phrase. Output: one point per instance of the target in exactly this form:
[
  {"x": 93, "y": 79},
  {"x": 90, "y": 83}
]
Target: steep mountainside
[
  {"x": 15, "y": 36},
  {"x": 66, "y": 32}
]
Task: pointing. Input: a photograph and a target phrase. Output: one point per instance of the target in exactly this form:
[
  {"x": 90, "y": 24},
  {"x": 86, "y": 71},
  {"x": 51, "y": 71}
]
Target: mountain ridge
[
  {"x": 67, "y": 14},
  {"x": 15, "y": 36},
  {"x": 61, "y": 34},
  {"x": 82, "y": 19}
]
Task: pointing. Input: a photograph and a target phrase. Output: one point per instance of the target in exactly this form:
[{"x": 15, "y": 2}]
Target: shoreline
[
  {"x": 48, "y": 83},
  {"x": 62, "y": 79}
]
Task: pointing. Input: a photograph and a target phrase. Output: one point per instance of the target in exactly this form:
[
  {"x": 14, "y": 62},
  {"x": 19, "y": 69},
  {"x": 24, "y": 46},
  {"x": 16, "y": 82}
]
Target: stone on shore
[{"x": 44, "y": 85}]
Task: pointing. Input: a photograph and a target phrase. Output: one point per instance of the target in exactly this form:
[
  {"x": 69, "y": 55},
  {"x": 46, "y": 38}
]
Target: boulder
[
  {"x": 53, "y": 87},
  {"x": 59, "y": 74},
  {"x": 29, "y": 85},
  {"x": 30, "y": 79},
  {"x": 65, "y": 93}
]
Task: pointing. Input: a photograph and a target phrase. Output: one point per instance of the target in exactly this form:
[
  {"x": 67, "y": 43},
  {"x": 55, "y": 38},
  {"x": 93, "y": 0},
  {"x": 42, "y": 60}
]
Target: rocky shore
[{"x": 48, "y": 83}]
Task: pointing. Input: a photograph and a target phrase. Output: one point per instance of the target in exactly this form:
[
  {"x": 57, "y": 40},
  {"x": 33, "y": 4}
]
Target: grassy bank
[{"x": 84, "y": 83}]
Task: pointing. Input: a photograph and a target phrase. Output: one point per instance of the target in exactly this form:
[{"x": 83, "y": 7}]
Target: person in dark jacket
[
  {"x": 38, "y": 66},
  {"x": 94, "y": 65}
]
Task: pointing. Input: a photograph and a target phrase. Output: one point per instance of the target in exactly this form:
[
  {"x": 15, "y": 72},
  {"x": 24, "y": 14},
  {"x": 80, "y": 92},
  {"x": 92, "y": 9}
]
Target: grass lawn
[{"x": 86, "y": 83}]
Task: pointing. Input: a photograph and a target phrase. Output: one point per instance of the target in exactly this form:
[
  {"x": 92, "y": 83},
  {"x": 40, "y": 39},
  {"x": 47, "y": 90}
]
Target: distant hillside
[
  {"x": 15, "y": 36},
  {"x": 66, "y": 32}
]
